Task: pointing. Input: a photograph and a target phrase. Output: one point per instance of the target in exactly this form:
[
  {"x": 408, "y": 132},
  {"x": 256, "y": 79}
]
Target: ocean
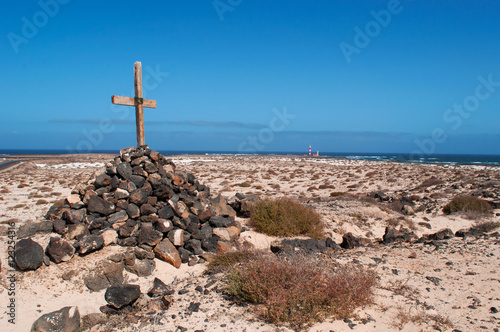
[{"x": 445, "y": 159}]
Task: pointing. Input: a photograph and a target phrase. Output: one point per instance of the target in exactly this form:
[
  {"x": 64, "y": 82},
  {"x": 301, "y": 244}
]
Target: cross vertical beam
[
  {"x": 139, "y": 109},
  {"x": 138, "y": 102}
]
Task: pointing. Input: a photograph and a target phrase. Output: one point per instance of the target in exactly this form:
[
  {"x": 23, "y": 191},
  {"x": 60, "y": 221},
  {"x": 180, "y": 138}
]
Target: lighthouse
[{"x": 309, "y": 150}]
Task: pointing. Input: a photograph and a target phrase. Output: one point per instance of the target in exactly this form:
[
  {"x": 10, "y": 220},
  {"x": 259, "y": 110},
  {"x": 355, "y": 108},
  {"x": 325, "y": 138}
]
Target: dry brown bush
[{"x": 300, "y": 290}]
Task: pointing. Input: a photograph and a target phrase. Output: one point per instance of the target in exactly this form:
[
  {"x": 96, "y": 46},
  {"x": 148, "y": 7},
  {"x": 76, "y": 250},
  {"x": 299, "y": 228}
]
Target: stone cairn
[{"x": 139, "y": 200}]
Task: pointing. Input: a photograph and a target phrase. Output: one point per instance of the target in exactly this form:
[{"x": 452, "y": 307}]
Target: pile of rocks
[{"x": 139, "y": 200}]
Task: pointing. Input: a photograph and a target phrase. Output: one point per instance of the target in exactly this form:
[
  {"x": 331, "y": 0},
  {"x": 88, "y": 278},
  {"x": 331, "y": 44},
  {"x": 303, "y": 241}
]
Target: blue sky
[{"x": 251, "y": 75}]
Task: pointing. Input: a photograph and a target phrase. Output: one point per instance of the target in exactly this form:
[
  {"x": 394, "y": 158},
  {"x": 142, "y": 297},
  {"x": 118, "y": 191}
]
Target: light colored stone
[
  {"x": 117, "y": 225},
  {"x": 222, "y": 233},
  {"x": 408, "y": 210},
  {"x": 73, "y": 199},
  {"x": 110, "y": 236},
  {"x": 178, "y": 237},
  {"x": 234, "y": 232},
  {"x": 168, "y": 168}
]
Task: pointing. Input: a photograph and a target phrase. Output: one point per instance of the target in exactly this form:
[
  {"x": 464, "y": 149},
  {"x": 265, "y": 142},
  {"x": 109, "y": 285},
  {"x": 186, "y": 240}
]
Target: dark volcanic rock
[
  {"x": 124, "y": 170},
  {"x": 393, "y": 235},
  {"x": 218, "y": 221},
  {"x": 142, "y": 268},
  {"x": 149, "y": 236},
  {"x": 99, "y": 205},
  {"x": 28, "y": 254},
  {"x": 32, "y": 228},
  {"x": 210, "y": 244},
  {"x": 56, "y": 211},
  {"x": 194, "y": 246},
  {"x": 128, "y": 242},
  {"x": 60, "y": 250},
  {"x": 349, "y": 241},
  {"x": 90, "y": 243},
  {"x": 137, "y": 200},
  {"x": 443, "y": 234},
  {"x": 66, "y": 319},
  {"x": 118, "y": 217},
  {"x": 133, "y": 211},
  {"x": 147, "y": 209},
  {"x": 138, "y": 197},
  {"x": 292, "y": 245},
  {"x": 74, "y": 216},
  {"x": 122, "y": 295},
  {"x": 166, "y": 213},
  {"x": 107, "y": 274},
  {"x": 471, "y": 232},
  {"x": 129, "y": 229},
  {"x": 164, "y": 192},
  {"x": 60, "y": 226},
  {"x": 102, "y": 180},
  {"x": 184, "y": 254},
  {"x": 160, "y": 289},
  {"x": 164, "y": 226},
  {"x": 137, "y": 180}
]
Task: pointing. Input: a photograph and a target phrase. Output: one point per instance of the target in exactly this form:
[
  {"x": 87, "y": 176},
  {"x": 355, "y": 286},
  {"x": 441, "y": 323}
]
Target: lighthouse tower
[{"x": 309, "y": 150}]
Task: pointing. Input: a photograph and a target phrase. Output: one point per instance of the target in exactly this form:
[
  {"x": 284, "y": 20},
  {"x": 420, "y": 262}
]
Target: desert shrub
[
  {"x": 222, "y": 262},
  {"x": 432, "y": 181},
  {"x": 299, "y": 290},
  {"x": 467, "y": 204},
  {"x": 337, "y": 193},
  {"x": 286, "y": 217},
  {"x": 245, "y": 184},
  {"x": 487, "y": 226}
]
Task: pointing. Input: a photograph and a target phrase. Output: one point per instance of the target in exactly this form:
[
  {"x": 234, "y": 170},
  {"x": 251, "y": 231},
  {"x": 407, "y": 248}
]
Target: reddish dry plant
[{"x": 300, "y": 291}]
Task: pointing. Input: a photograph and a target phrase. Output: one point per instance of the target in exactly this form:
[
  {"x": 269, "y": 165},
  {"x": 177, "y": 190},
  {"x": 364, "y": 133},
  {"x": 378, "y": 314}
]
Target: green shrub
[
  {"x": 301, "y": 291},
  {"x": 286, "y": 217},
  {"x": 467, "y": 204}
]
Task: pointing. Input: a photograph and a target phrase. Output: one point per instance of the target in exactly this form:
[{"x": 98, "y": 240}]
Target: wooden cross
[{"x": 138, "y": 102}]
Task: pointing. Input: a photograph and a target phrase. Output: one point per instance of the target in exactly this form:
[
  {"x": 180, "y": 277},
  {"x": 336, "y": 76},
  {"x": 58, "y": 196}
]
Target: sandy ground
[{"x": 446, "y": 287}]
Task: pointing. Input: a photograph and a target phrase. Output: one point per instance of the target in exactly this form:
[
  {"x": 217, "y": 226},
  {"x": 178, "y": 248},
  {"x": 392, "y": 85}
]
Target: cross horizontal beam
[{"x": 128, "y": 101}]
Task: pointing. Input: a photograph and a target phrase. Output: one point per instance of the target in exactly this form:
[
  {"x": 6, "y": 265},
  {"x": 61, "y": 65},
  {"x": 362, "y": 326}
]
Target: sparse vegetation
[
  {"x": 299, "y": 290},
  {"x": 223, "y": 262},
  {"x": 405, "y": 316},
  {"x": 487, "y": 226},
  {"x": 286, "y": 217},
  {"x": 467, "y": 205},
  {"x": 432, "y": 181},
  {"x": 245, "y": 184}
]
